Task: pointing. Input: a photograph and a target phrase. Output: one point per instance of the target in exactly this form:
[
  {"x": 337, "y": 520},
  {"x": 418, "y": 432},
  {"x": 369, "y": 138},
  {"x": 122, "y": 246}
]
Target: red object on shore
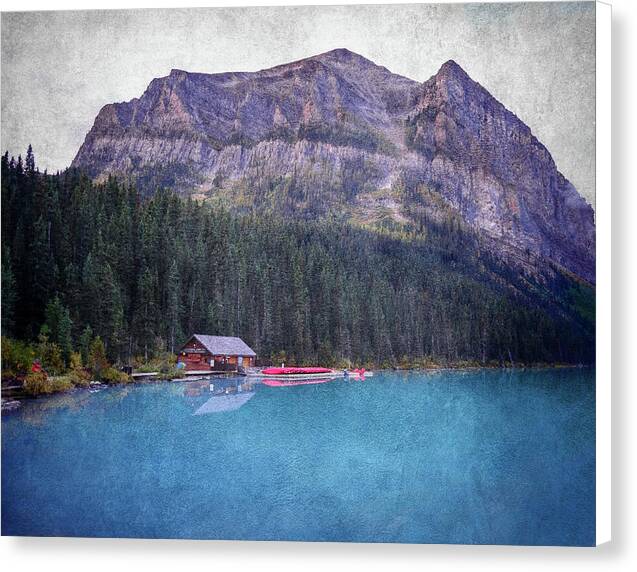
[
  {"x": 295, "y": 370},
  {"x": 36, "y": 367}
]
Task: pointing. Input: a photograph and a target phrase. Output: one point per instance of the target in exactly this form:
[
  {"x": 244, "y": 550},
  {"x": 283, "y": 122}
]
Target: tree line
[{"x": 82, "y": 260}]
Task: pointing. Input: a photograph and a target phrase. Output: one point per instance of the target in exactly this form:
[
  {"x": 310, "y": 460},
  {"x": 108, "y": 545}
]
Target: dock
[
  {"x": 140, "y": 376},
  {"x": 144, "y": 375},
  {"x": 209, "y": 372}
]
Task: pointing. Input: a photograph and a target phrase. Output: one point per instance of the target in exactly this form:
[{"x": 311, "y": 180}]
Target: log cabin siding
[{"x": 215, "y": 353}]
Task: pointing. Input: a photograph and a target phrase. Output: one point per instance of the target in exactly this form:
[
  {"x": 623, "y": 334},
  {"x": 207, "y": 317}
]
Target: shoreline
[{"x": 12, "y": 402}]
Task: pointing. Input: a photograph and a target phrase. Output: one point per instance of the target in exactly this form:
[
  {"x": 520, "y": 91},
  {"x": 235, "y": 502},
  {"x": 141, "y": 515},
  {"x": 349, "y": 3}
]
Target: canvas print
[{"x": 300, "y": 273}]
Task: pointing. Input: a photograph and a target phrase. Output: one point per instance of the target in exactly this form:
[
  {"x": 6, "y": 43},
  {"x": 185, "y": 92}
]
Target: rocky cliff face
[
  {"x": 338, "y": 134},
  {"x": 490, "y": 167}
]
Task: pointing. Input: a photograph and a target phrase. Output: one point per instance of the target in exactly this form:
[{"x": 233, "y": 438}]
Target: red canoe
[{"x": 295, "y": 370}]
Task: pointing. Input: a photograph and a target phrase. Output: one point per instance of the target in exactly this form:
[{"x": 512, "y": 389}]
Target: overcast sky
[{"x": 60, "y": 68}]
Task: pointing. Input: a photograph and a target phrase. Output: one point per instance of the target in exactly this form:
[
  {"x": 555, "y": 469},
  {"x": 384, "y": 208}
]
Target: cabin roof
[{"x": 224, "y": 345}]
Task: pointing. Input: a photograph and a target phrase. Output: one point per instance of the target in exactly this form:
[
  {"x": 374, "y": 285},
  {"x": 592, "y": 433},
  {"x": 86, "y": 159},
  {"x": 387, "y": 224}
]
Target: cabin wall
[{"x": 196, "y": 357}]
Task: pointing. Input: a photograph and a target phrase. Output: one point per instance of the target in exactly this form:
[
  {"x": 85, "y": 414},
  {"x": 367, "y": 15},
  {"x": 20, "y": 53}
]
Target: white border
[
  {"x": 603, "y": 202},
  {"x": 66, "y": 554}
]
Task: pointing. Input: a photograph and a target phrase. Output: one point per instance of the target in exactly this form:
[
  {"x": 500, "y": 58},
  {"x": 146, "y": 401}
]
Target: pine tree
[
  {"x": 85, "y": 343},
  {"x": 9, "y": 294},
  {"x": 141, "y": 271},
  {"x": 146, "y": 317},
  {"x": 102, "y": 304},
  {"x": 97, "y": 360},
  {"x": 30, "y": 161},
  {"x": 42, "y": 268},
  {"x": 173, "y": 303},
  {"x": 59, "y": 324},
  {"x": 112, "y": 314}
]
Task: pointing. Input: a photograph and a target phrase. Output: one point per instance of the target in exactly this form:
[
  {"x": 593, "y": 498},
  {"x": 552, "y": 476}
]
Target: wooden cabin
[{"x": 215, "y": 353}]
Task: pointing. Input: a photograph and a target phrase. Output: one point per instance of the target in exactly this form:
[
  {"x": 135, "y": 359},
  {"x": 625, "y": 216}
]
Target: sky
[{"x": 538, "y": 59}]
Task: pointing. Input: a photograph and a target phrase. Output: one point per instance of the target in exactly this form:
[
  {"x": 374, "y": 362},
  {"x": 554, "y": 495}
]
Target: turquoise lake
[{"x": 478, "y": 457}]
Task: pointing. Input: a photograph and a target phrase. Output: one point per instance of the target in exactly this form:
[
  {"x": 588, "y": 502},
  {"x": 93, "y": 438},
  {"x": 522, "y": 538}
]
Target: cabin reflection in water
[{"x": 224, "y": 395}]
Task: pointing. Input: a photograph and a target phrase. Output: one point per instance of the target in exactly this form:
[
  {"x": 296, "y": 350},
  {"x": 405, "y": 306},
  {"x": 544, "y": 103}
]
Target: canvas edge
[{"x": 603, "y": 201}]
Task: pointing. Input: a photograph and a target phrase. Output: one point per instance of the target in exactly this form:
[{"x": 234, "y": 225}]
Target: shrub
[
  {"x": 168, "y": 363},
  {"x": 79, "y": 377},
  {"x": 8, "y": 375},
  {"x": 75, "y": 360},
  {"x": 52, "y": 358},
  {"x": 50, "y": 353},
  {"x": 175, "y": 373},
  {"x": 112, "y": 376},
  {"x": 17, "y": 356},
  {"x": 59, "y": 383},
  {"x": 37, "y": 383},
  {"x": 164, "y": 363},
  {"x": 77, "y": 374},
  {"x": 142, "y": 366}
]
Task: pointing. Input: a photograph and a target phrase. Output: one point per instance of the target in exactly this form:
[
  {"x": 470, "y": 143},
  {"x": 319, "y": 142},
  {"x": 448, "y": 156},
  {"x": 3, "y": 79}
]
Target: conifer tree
[
  {"x": 85, "y": 343},
  {"x": 9, "y": 294},
  {"x": 59, "y": 325},
  {"x": 134, "y": 270},
  {"x": 30, "y": 161},
  {"x": 173, "y": 303}
]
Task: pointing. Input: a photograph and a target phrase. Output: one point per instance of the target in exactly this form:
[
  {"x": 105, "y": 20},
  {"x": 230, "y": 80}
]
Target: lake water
[{"x": 449, "y": 457}]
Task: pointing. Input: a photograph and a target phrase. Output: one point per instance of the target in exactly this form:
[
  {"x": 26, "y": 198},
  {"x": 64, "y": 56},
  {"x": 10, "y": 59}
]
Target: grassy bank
[{"x": 60, "y": 371}]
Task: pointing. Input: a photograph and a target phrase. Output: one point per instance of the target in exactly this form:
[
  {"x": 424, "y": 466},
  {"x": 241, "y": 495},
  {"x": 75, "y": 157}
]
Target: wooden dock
[
  {"x": 139, "y": 376},
  {"x": 144, "y": 374},
  {"x": 208, "y": 372}
]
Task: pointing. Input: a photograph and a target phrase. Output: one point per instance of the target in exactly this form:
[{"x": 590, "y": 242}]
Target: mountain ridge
[{"x": 324, "y": 134}]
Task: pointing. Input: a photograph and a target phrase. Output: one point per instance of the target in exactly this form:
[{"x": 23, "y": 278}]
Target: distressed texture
[{"x": 60, "y": 68}]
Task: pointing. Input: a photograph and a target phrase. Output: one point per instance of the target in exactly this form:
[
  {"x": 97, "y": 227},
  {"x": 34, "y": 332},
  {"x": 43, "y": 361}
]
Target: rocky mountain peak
[
  {"x": 338, "y": 133},
  {"x": 344, "y": 56},
  {"x": 452, "y": 70}
]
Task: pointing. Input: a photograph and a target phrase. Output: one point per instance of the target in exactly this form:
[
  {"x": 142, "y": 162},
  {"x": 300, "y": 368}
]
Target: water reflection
[
  {"x": 221, "y": 403},
  {"x": 36, "y": 411},
  {"x": 223, "y": 394},
  {"x": 274, "y": 382}
]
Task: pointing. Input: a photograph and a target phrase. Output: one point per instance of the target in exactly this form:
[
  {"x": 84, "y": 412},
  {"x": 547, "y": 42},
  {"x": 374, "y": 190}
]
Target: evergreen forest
[{"x": 82, "y": 260}]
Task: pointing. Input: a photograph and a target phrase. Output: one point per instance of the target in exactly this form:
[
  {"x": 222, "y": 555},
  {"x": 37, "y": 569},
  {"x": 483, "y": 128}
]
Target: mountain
[{"x": 337, "y": 135}]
